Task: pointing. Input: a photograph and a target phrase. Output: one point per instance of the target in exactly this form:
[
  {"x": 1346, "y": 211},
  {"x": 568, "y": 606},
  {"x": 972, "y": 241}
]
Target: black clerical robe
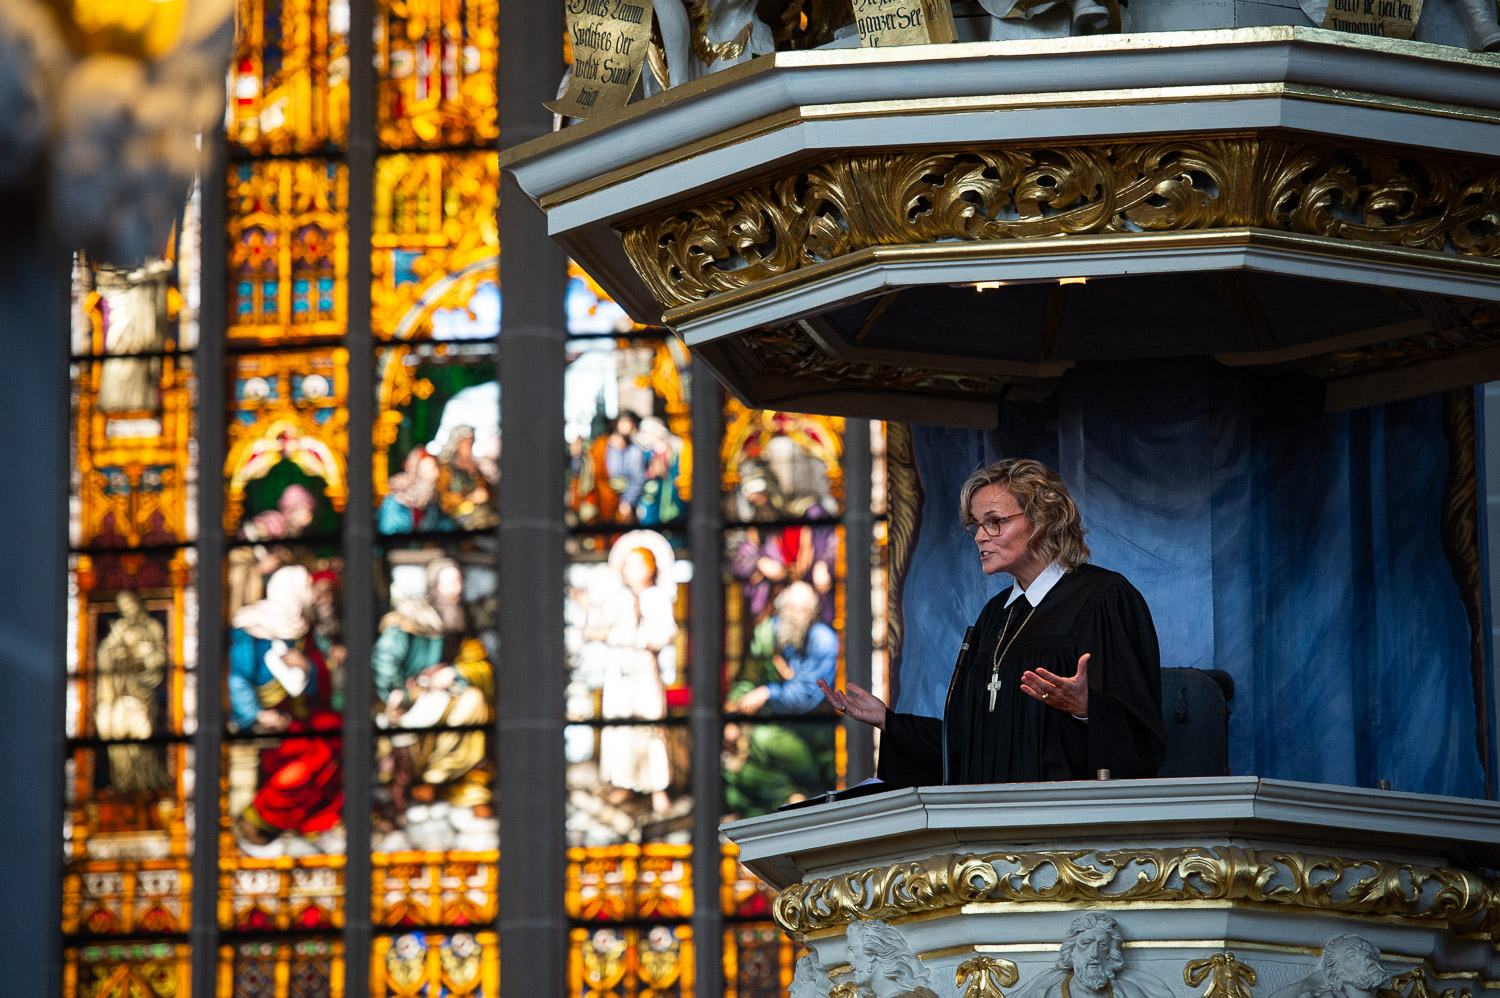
[{"x": 1090, "y": 609}]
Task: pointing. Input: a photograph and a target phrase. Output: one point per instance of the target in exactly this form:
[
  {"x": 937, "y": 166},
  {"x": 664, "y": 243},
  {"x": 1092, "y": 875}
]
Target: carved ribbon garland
[{"x": 1362, "y": 886}]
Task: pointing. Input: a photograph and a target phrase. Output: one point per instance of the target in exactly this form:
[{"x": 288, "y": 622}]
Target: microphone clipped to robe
[{"x": 963, "y": 655}]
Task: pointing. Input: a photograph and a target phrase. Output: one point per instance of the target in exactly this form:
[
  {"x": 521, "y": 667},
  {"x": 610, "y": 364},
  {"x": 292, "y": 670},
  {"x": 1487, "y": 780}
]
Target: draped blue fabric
[{"x": 1298, "y": 551}]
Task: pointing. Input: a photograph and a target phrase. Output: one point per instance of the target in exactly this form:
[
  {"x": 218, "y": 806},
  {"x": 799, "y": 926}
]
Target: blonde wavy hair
[{"x": 1056, "y": 528}]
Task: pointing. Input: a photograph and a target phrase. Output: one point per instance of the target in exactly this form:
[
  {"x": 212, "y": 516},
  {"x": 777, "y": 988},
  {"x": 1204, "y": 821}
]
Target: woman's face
[{"x": 1009, "y": 551}]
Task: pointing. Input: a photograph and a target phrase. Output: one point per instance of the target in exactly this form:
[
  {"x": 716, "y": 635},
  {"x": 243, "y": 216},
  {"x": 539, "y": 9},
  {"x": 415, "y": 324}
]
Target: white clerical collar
[{"x": 1040, "y": 586}]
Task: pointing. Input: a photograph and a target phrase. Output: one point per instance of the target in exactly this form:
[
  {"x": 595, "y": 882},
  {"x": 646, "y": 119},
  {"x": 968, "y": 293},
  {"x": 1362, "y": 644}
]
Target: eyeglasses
[{"x": 992, "y": 525}]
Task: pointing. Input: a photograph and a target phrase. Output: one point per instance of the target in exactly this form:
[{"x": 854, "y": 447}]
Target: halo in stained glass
[{"x": 626, "y": 626}]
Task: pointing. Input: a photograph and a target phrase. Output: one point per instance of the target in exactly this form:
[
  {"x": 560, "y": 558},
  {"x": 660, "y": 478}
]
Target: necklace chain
[{"x": 1002, "y": 647}]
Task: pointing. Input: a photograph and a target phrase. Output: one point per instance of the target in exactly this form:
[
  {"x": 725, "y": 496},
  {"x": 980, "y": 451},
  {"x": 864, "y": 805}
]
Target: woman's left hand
[{"x": 1070, "y": 694}]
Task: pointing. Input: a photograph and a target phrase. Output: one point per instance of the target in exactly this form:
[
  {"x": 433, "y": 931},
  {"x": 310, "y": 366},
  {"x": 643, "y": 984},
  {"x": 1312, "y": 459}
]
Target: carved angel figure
[
  {"x": 883, "y": 963},
  {"x": 700, "y": 37},
  {"x": 809, "y": 980}
]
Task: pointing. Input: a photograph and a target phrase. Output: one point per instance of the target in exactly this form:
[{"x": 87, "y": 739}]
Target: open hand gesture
[
  {"x": 858, "y": 703},
  {"x": 1070, "y": 694}
]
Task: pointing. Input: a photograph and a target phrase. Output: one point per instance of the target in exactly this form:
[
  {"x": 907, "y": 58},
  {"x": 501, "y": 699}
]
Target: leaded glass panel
[
  {"x": 126, "y": 970},
  {"x": 435, "y": 965},
  {"x": 437, "y": 438},
  {"x": 781, "y": 466},
  {"x": 628, "y": 783},
  {"x": 590, "y": 311},
  {"x": 620, "y": 962},
  {"x": 289, "y": 87},
  {"x": 125, "y": 837},
  {"x": 286, "y": 469},
  {"x": 758, "y": 961},
  {"x": 626, "y": 628},
  {"x": 288, "y": 250},
  {"x": 628, "y": 430},
  {"x": 302, "y": 968},
  {"x": 415, "y": 888},
  {"x": 134, "y": 456},
  {"x": 436, "y": 60},
  {"x": 630, "y": 882},
  {"x": 435, "y": 269}
]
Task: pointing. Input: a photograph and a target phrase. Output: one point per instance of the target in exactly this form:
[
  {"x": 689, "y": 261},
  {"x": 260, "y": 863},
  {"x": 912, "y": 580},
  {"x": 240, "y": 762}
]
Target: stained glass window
[
  {"x": 435, "y": 292},
  {"x": 437, "y": 438},
  {"x": 436, "y": 60},
  {"x": 131, "y": 686},
  {"x": 628, "y": 430},
  {"x": 289, "y": 85},
  {"x": 283, "y": 672},
  {"x": 784, "y": 606},
  {"x": 430, "y": 964},
  {"x": 435, "y": 268},
  {"x": 288, "y": 250}
]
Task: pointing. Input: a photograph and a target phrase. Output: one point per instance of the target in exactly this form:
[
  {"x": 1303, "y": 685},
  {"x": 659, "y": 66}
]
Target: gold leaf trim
[
  {"x": 1193, "y": 873},
  {"x": 847, "y": 202}
]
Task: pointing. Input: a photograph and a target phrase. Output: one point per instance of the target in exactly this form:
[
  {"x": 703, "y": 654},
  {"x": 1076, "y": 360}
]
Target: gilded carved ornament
[
  {"x": 851, "y": 201},
  {"x": 788, "y": 352},
  {"x": 1195, "y": 873},
  {"x": 1226, "y": 976},
  {"x": 984, "y": 976}
]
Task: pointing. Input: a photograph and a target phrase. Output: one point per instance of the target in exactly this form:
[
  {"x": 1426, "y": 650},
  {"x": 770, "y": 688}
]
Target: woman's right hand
[{"x": 858, "y": 703}]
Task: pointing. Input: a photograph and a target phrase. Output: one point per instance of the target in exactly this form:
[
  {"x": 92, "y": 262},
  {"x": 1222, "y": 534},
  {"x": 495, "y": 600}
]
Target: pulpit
[{"x": 1229, "y": 887}]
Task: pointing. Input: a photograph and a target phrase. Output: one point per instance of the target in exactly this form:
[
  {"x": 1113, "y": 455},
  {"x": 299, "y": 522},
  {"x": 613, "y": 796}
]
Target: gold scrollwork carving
[
  {"x": 984, "y": 976},
  {"x": 1227, "y": 977},
  {"x": 921, "y": 886},
  {"x": 1413, "y": 984},
  {"x": 1195, "y": 873},
  {"x": 788, "y": 352},
  {"x": 851, "y": 201}
]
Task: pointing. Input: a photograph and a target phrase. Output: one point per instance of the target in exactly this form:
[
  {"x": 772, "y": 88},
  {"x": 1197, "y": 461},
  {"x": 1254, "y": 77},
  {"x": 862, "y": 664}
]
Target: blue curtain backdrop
[{"x": 1296, "y": 550}]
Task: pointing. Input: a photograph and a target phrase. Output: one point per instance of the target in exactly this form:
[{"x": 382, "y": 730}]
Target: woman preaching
[{"x": 1061, "y": 676}]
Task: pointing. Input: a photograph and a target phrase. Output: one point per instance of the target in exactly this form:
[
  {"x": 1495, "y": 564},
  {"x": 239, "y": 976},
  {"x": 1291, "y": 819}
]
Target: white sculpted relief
[
  {"x": 810, "y": 979},
  {"x": 1350, "y": 968},
  {"x": 1091, "y": 964},
  {"x": 700, "y": 37},
  {"x": 1085, "y": 17},
  {"x": 883, "y": 963}
]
